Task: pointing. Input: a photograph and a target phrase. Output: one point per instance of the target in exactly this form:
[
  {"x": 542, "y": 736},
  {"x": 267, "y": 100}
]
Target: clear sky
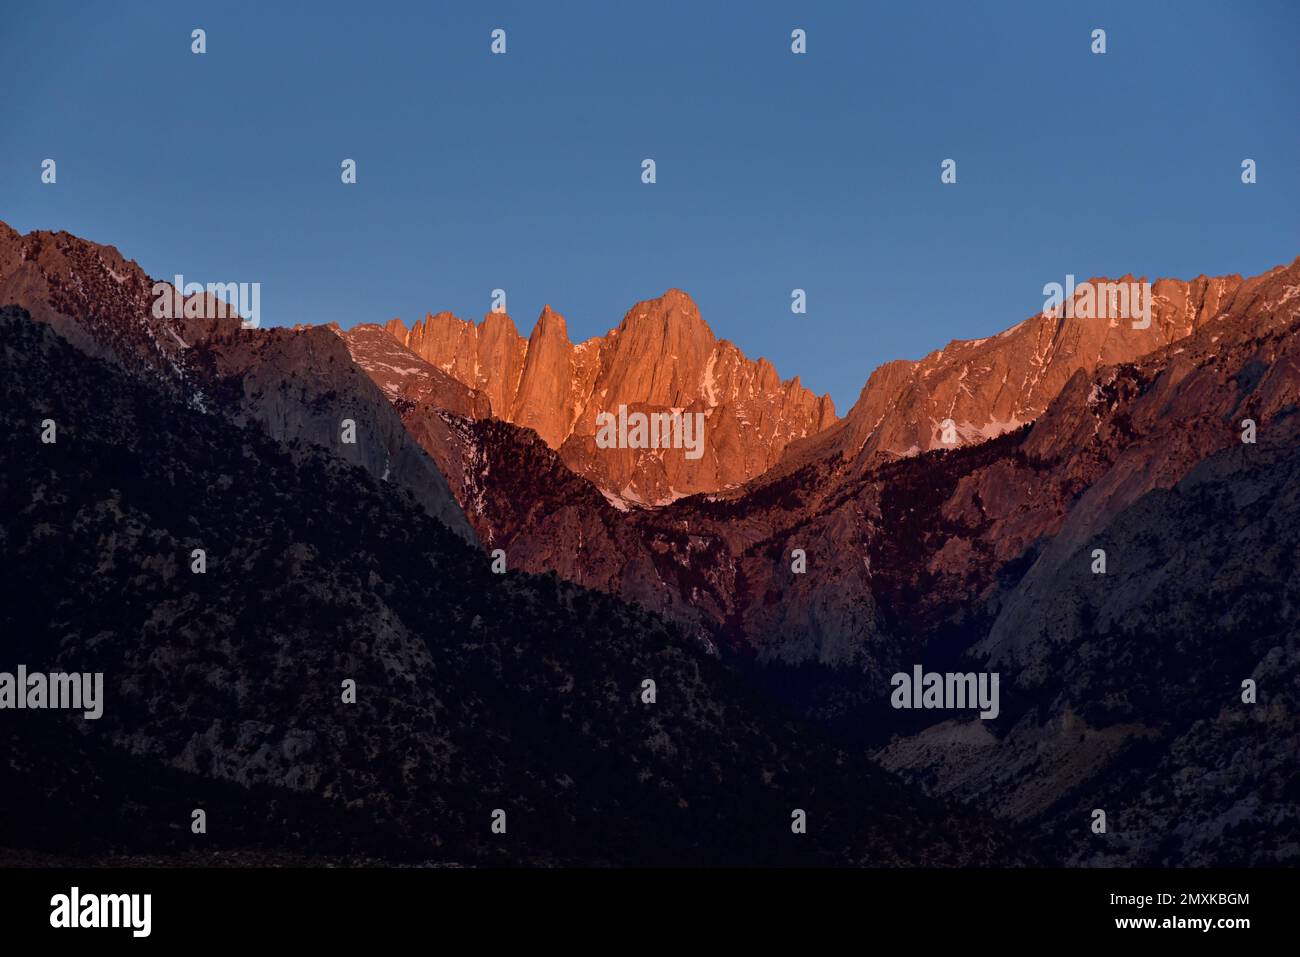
[{"x": 775, "y": 171}]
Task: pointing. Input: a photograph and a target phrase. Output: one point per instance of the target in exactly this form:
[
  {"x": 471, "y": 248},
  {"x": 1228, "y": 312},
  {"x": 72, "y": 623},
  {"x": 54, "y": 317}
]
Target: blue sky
[{"x": 775, "y": 171}]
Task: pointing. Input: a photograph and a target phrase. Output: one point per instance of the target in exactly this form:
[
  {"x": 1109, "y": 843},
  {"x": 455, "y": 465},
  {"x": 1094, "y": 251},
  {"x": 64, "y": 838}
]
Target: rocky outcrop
[
  {"x": 986, "y": 387},
  {"x": 873, "y": 545},
  {"x": 661, "y": 358},
  {"x": 901, "y": 545},
  {"x": 298, "y": 384},
  {"x": 1125, "y": 691},
  {"x": 472, "y": 691}
]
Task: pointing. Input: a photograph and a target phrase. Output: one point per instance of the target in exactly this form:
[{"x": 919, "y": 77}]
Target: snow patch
[
  {"x": 995, "y": 427},
  {"x": 710, "y": 385}
]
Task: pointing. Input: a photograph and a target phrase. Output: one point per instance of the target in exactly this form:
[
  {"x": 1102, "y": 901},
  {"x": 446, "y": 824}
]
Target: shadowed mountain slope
[
  {"x": 474, "y": 691},
  {"x": 299, "y": 385}
]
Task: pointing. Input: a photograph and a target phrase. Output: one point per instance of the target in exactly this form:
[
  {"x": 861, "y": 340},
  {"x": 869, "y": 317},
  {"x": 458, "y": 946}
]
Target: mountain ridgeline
[
  {"x": 661, "y": 358},
  {"x": 1102, "y": 513},
  {"x": 474, "y": 691},
  {"x": 971, "y": 555}
]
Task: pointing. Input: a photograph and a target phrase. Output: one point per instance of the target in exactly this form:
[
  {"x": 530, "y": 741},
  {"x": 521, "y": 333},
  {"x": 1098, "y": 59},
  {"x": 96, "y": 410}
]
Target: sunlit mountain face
[
  {"x": 372, "y": 594},
  {"x": 648, "y": 438}
]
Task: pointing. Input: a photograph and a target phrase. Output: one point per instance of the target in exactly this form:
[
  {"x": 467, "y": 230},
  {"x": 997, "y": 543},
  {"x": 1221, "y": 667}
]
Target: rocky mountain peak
[
  {"x": 662, "y": 357},
  {"x": 981, "y": 388}
]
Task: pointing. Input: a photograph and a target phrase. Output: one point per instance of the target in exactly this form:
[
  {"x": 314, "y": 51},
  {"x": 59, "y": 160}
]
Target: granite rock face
[
  {"x": 979, "y": 556},
  {"x": 470, "y": 691},
  {"x": 816, "y": 558},
  {"x": 661, "y": 358},
  {"x": 989, "y": 386},
  {"x": 297, "y": 384}
]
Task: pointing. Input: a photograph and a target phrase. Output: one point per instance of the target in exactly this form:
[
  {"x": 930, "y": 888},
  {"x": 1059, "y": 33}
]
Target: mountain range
[
  {"x": 951, "y": 519},
  {"x": 661, "y": 357}
]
